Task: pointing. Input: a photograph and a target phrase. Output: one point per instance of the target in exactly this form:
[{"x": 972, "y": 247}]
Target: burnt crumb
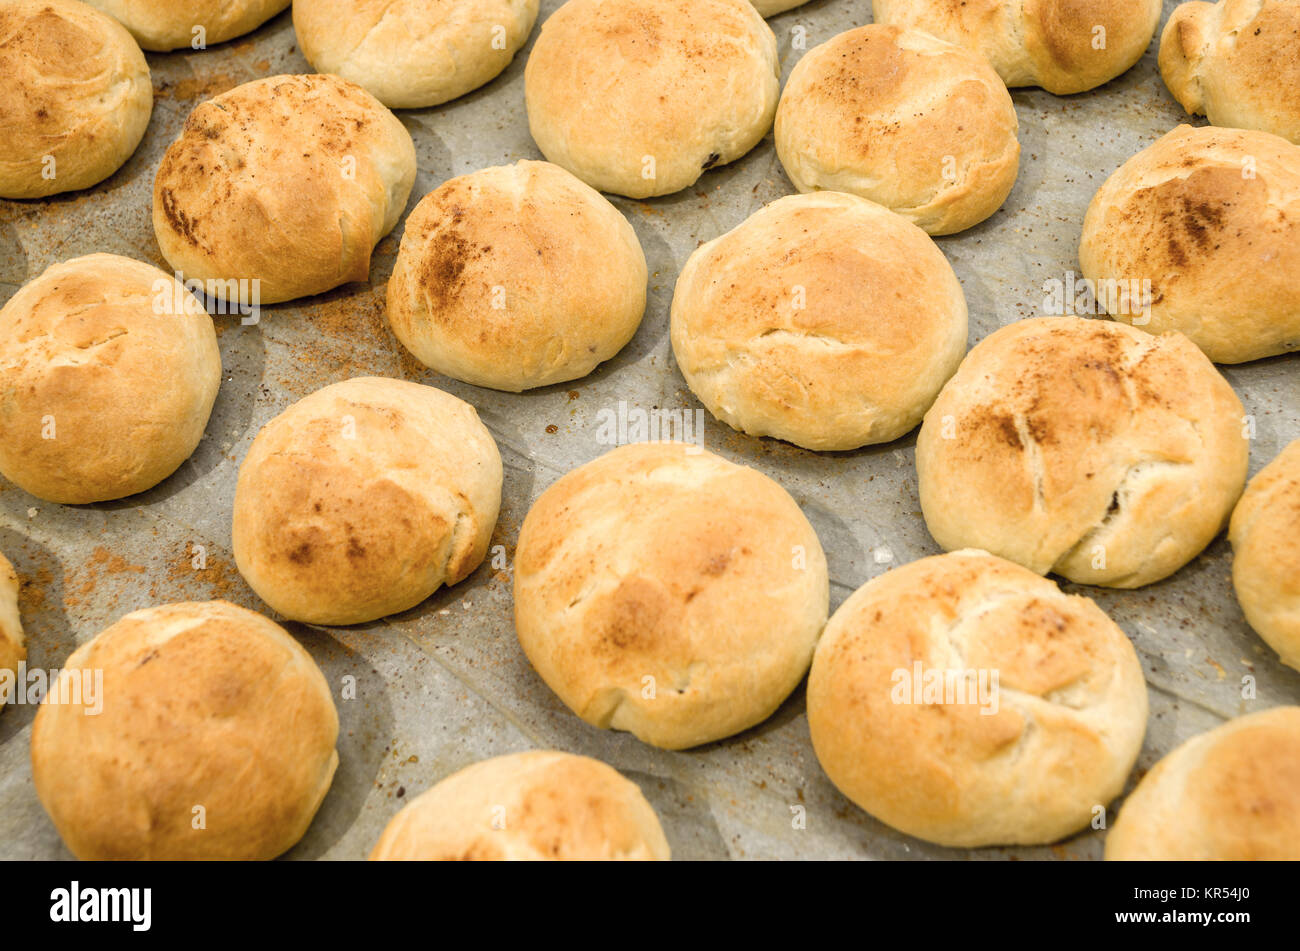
[{"x": 713, "y": 159}]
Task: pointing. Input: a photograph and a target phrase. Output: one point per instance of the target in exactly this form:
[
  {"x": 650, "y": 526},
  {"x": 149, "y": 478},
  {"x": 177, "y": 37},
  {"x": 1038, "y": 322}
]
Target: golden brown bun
[
  {"x": 75, "y": 100},
  {"x": 640, "y": 97},
  {"x": 527, "y": 806},
  {"x": 1211, "y": 217},
  {"x": 516, "y": 277},
  {"x": 770, "y": 8},
  {"x": 665, "y": 591},
  {"x": 12, "y": 649},
  {"x": 1265, "y": 536},
  {"x": 289, "y": 180},
  {"x": 1056, "y": 44},
  {"x": 362, "y": 499},
  {"x": 1084, "y": 447},
  {"x": 1232, "y": 794},
  {"x": 111, "y": 369},
  {"x": 163, "y": 25},
  {"x": 1024, "y": 762},
  {"x": 1236, "y": 62},
  {"x": 202, "y": 705},
  {"x": 911, "y": 122},
  {"x": 410, "y": 54},
  {"x": 824, "y": 319}
]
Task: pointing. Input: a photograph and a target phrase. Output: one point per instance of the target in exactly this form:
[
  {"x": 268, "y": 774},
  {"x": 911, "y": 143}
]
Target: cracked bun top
[
  {"x": 75, "y": 100},
  {"x": 111, "y": 369},
  {"x": 1065, "y": 46},
  {"x": 1229, "y": 795},
  {"x": 290, "y": 181},
  {"x": 909, "y": 121},
  {"x": 12, "y": 647},
  {"x": 665, "y": 591},
  {"x": 1083, "y": 447},
  {"x": 362, "y": 499},
  {"x": 527, "y": 807},
  {"x": 825, "y": 320},
  {"x": 966, "y": 701},
  {"x": 190, "y": 732},
  {"x": 163, "y": 25},
  {"x": 410, "y": 54},
  {"x": 641, "y": 97}
]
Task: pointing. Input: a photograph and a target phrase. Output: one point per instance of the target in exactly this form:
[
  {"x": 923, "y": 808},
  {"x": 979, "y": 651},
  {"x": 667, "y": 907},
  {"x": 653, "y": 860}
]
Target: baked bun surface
[
  {"x": 530, "y": 807},
  {"x": 1237, "y": 62},
  {"x": 664, "y": 591},
  {"x": 162, "y": 25},
  {"x": 214, "y": 738},
  {"x": 641, "y": 97},
  {"x": 12, "y": 647},
  {"x": 909, "y": 121},
  {"x": 1211, "y": 217},
  {"x": 1265, "y": 536},
  {"x": 770, "y": 8},
  {"x": 1065, "y": 46},
  {"x": 1083, "y": 447},
  {"x": 110, "y": 371},
  {"x": 516, "y": 277},
  {"x": 413, "y": 53},
  {"x": 362, "y": 499},
  {"x": 1232, "y": 794},
  {"x": 824, "y": 319},
  {"x": 288, "y": 180},
  {"x": 1020, "y": 760},
  {"x": 75, "y": 100}
]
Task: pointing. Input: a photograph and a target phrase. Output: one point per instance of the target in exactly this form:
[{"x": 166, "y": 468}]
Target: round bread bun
[
  {"x": 210, "y": 735},
  {"x": 364, "y": 498},
  {"x": 1232, "y": 794},
  {"x": 12, "y": 648},
  {"x": 824, "y": 319},
  {"x": 770, "y": 8},
  {"x": 110, "y": 370},
  {"x": 410, "y": 54},
  {"x": 75, "y": 100},
  {"x": 516, "y": 277},
  {"x": 909, "y": 121},
  {"x": 1083, "y": 447},
  {"x": 1265, "y": 536},
  {"x": 1236, "y": 62},
  {"x": 641, "y": 97},
  {"x": 1211, "y": 218},
  {"x": 290, "y": 181},
  {"x": 909, "y": 722},
  {"x": 527, "y": 807},
  {"x": 667, "y": 592},
  {"x": 1065, "y": 46},
  {"x": 162, "y": 25}
]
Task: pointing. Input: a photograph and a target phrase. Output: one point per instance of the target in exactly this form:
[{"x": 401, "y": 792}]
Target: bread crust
[
  {"x": 172, "y": 24},
  {"x": 13, "y": 649}
]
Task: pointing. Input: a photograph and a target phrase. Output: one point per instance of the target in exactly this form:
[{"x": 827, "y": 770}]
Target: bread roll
[
  {"x": 1211, "y": 219},
  {"x": 75, "y": 100},
  {"x": 911, "y": 122},
  {"x": 1236, "y": 62},
  {"x": 1065, "y": 46},
  {"x": 290, "y": 181},
  {"x": 163, "y": 25},
  {"x": 770, "y": 8},
  {"x": 516, "y": 277},
  {"x": 1265, "y": 536},
  {"x": 824, "y": 320},
  {"x": 1232, "y": 794},
  {"x": 362, "y": 499},
  {"x": 641, "y": 97},
  {"x": 527, "y": 806},
  {"x": 966, "y": 701},
  {"x": 1083, "y": 447},
  {"x": 667, "y": 592},
  {"x": 110, "y": 371},
  {"x": 12, "y": 648},
  {"x": 210, "y": 735},
  {"x": 413, "y": 53}
]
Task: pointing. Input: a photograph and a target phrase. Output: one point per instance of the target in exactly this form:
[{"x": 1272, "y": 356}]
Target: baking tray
[{"x": 445, "y": 684}]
